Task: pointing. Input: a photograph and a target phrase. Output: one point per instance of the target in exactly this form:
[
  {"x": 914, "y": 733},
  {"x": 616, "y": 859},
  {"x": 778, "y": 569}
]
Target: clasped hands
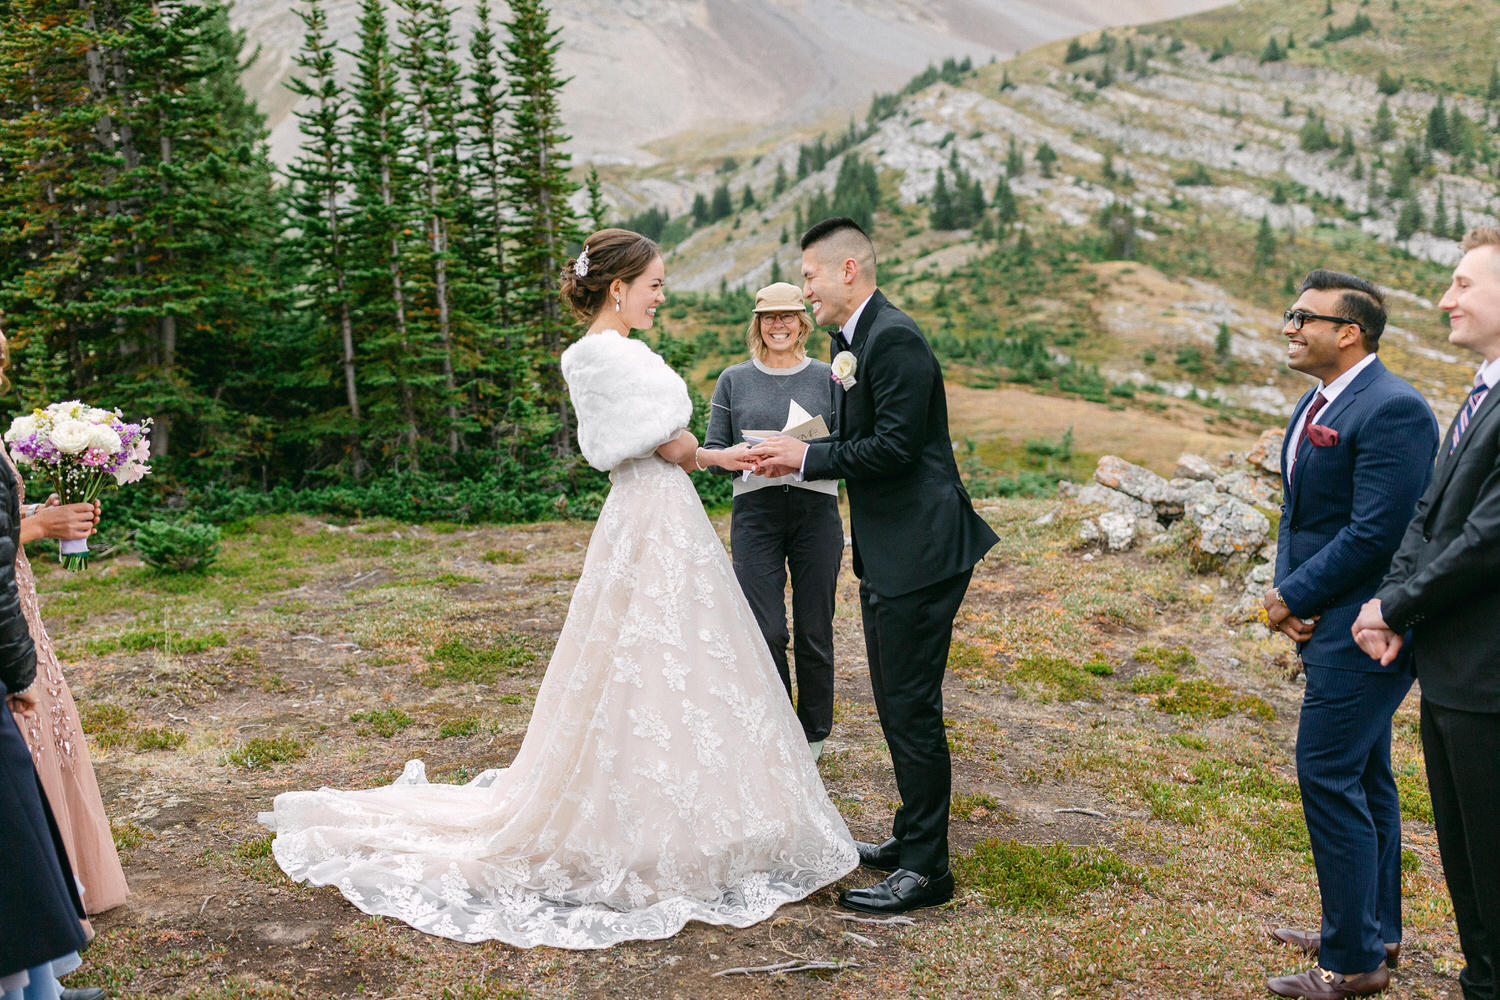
[
  {"x": 777, "y": 456},
  {"x": 1282, "y": 620}
]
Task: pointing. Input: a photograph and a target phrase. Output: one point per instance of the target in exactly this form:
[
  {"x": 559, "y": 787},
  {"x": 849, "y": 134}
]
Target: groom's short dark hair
[{"x": 852, "y": 239}]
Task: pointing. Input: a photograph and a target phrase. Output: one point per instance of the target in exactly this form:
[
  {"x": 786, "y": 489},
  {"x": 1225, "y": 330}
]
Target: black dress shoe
[
  {"x": 884, "y": 857},
  {"x": 82, "y": 993},
  {"x": 902, "y": 890}
]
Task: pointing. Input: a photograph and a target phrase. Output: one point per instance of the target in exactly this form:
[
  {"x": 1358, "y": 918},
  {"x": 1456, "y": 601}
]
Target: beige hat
[{"x": 780, "y": 297}]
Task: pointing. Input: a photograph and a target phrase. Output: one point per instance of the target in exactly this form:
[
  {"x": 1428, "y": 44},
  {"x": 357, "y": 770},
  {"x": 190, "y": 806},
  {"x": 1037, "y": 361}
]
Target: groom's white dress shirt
[{"x": 846, "y": 334}]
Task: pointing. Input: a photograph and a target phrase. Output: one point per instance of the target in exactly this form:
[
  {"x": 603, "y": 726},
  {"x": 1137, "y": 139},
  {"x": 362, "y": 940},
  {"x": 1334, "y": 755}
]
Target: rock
[
  {"x": 1227, "y": 526},
  {"x": 1143, "y": 484},
  {"x": 1067, "y": 489},
  {"x": 1266, "y": 454},
  {"x": 1252, "y": 595},
  {"x": 1190, "y": 466},
  {"x": 1118, "y": 530},
  {"x": 1249, "y": 487},
  {"x": 1116, "y": 501}
]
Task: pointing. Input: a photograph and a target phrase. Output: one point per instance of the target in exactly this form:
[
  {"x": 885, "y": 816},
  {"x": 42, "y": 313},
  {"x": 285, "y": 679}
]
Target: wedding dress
[{"x": 663, "y": 777}]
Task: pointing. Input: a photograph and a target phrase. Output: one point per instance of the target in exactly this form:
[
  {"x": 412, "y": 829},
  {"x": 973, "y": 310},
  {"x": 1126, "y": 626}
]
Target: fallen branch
[
  {"x": 860, "y": 939},
  {"x": 1083, "y": 811},
  {"x": 875, "y": 920},
  {"x": 782, "y": 968}
]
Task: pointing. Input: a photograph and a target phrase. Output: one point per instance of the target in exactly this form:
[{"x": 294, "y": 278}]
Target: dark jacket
[
  {"x": 39, "y": 905},
  {"x": 909, "y": 514},
  {"x": 1444, "y": 582},
  {"x": 1347, "y": 505}
]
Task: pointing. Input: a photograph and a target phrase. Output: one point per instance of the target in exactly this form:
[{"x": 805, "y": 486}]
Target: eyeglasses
[
  {"x": 788, "y": 319},
  {"x": 1299, "y": 317}
]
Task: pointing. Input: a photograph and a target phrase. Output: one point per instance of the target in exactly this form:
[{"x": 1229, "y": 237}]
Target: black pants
[
  {"x": 779, "y": 527},
  {"x": 907, "y": 639},
  {"x": 1463, "y": 774}
]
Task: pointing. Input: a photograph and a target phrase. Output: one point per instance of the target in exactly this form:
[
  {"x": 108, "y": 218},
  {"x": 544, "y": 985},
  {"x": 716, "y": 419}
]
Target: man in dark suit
[
  {"x": 1444, "y": 586},
  {"x": 916, "y": 540},
  {"x": 1357, "y": 455}
]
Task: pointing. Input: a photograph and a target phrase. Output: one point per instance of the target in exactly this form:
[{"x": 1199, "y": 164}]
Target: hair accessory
[{"x": 581, "y": 265}]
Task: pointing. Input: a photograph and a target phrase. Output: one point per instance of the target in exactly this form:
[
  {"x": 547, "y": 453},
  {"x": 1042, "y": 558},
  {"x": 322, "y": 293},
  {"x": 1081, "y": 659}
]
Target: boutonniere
[
  {"x": 843, "y": 370},
  {"x": 1321, "y": 436}
]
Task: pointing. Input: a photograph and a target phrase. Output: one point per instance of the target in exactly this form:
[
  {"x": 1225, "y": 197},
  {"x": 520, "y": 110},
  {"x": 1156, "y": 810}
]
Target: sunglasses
[{"x": 1299, "y": 317}]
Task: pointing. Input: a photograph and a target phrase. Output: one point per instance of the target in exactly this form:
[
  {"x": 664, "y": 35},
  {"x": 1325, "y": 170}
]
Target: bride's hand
[{"x": 735, "y": 459}]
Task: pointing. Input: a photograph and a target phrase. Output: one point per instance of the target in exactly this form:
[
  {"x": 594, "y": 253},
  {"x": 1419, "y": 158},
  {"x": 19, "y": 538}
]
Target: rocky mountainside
[
  {"x": 647, "y": 70},
  {"x": 1177, "y": 151}
]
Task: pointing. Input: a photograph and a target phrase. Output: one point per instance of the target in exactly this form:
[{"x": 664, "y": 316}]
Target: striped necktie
[{"x": 1476, "y": 397}]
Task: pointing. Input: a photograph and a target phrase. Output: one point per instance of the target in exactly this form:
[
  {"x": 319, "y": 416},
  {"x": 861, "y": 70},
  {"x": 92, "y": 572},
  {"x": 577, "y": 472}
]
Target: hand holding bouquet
[{"x": 83, "y": 450}]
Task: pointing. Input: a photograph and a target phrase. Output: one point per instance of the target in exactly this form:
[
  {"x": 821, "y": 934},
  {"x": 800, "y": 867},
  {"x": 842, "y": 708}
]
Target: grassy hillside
[{"x": 1170, "y": 191}]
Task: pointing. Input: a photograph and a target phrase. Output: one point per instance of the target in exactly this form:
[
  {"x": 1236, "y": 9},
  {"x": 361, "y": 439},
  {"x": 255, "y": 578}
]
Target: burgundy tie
[{"x": 1319, "y": 401}]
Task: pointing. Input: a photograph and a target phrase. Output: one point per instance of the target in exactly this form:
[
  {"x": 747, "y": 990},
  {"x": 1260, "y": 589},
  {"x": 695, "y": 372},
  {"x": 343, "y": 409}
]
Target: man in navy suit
[
  {"x": 1357, "y": 455},
  {"x": 1442, "y": 587}
]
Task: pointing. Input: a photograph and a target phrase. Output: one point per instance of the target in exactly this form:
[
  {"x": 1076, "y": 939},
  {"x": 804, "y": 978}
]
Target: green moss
[
  {"x": 1411, "y": 785},
  {"x": 461, "y": 663},
  {"x": 1171, "y": 658},
  {"x": 385, "y": 722},
  {"x": 263, "y": 751},
  {"x": 160, "y": 738},
  {"x": 1024, "y": 877},
  {"x": 1204, "y": 698},
  {"x": 467, "y": 726}
]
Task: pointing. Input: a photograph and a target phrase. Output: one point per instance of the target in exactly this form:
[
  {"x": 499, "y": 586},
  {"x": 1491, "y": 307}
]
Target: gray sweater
[{"x": 751, "y": 396}]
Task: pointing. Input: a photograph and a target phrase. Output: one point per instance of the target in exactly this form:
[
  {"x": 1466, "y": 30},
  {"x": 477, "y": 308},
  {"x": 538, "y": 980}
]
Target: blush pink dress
[{"x": 57, "y": 746}]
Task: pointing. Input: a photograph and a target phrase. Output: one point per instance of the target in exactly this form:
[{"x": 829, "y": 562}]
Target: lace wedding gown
[{"x": 664, "y": 776}]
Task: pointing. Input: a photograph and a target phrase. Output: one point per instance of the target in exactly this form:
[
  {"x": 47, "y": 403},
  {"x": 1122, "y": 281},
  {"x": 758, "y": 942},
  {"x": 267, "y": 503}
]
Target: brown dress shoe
[
  {"x": 1311, "y": 942},
  {"x": 1318, "y": 983}
]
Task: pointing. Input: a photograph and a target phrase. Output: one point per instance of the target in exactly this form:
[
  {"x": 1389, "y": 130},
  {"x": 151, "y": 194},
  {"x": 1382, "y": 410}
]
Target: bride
[{"x": 663, "y": 777}]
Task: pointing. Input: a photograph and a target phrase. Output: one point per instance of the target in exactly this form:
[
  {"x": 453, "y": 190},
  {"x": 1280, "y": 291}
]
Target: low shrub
[{"x": 177, "y": 547}]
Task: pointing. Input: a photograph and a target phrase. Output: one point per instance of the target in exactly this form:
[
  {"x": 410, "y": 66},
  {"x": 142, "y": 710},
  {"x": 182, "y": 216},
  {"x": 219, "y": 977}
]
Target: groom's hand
[{"x": 778, "y": 456}]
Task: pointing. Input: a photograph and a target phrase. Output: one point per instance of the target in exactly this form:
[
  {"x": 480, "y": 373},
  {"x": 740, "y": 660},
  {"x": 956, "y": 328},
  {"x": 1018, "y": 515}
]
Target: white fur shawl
[{"x": 628, "y": 400}]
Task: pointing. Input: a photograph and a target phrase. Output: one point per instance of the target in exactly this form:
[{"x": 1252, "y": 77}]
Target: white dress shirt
[
  {"x": 1330, "y": 392},
  {"x": 1489, "y": 374}
]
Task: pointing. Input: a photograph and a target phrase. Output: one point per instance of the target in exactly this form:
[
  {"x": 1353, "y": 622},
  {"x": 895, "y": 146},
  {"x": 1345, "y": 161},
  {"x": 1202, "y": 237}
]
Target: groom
[{"x": 916, "y": 540}]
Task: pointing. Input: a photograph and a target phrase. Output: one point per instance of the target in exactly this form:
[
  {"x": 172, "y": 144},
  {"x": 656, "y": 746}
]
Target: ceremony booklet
[{"x": 799, "y": 424}]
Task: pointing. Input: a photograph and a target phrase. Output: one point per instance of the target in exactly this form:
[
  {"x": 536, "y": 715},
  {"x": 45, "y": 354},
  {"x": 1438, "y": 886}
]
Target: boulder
[
  {"x": 1115, "y": 529},
  {"x": 1190, "y": 466},
  {"x": 1266, "y": 453},
  {"x": 1249, "y": 487},
  {"x": 1227, "y": 526},
  {"x": 1116, "y": 501},
  {"x": 1143, "y": 484}
]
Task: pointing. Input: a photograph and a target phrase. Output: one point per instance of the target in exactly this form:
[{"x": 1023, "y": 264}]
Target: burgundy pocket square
[{"x": 1321, "y": 436}]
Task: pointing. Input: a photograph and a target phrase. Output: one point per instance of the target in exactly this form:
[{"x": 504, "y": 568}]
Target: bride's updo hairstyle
[{"x": 607, "y": 255}]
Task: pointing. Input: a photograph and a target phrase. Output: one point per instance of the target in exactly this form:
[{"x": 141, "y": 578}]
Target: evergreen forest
[{"x": 374, "y": 328}]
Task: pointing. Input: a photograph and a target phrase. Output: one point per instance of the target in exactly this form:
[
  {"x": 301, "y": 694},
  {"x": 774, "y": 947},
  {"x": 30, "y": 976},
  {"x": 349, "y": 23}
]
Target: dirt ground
[{"x": 305, "y": 624}]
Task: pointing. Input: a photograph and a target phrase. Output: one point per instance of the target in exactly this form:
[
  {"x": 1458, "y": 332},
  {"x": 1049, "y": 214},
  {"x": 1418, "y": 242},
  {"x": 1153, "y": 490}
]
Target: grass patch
[
  {"x": 159, "y": 738},
  {"x": 263, "y": 751},
  {"x": 976, "y": 807},
  {"x": 385, "y": 722},
  {"x": 466, "y": 726},
  {"x": 1167, "y": 658},
  {"x": 1024, "y": 877},
  {"x": 260, "y": 847},
  {"x": 126, "y": 834},
  {"x": 167, "y": 641},
  {"x": 969, "y": 660},
  {"x": 1054, "y": 677},
  {"x": 1208, "y": 699},
  {"x": 1411, "y": 785},
  {"x": 109, "y": 725},
  {"x": 460, "y": 663},
  {"x": 507, "y": 557}
]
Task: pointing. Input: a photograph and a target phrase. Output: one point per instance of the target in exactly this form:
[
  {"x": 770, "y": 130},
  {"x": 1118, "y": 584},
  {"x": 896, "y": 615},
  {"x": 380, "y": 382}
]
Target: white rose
[
  {"x": 104, "y": 438},
  {"x": 96, "y": 415},
  {"x": 70, "y": 437},
  {"x": 22, "y": 426},
  {"x": 843, "y": 369}
]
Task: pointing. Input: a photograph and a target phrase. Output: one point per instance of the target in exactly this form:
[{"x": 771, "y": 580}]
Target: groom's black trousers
[{"x": 907, "y": 638}]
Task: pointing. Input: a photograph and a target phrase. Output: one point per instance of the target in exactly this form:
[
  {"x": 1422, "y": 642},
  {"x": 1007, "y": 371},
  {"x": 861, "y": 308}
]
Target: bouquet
[{"x": 83, "y": 449}]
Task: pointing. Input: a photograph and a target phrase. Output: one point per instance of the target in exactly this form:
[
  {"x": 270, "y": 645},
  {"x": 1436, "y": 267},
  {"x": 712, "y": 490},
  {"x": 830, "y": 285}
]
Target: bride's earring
[{"x": 617, "y": 303}]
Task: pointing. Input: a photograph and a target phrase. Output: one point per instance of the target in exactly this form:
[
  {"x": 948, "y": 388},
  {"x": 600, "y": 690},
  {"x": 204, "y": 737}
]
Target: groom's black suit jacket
[
  {"x": 911, "y": 519},
  {"x": 1442, "y": 580}
]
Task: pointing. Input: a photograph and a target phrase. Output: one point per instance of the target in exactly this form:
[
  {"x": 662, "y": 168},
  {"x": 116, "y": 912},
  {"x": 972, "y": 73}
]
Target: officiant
[{"x": 782, "y": 526}]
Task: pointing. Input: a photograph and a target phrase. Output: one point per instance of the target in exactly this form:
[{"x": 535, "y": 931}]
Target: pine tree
[
  {"x": 1015, "y": 163},
  {"x": 779, "y": 185},
  {"x": 1492, "y": 92},
  {"x": 1440, "y": 213},
  {"x": 537, "y": 191},
  {"x": 382, "y": 209},
  {"x": 318, "y": 195},
  {"x": 747, "y": 199},
  {"x": 1045, "y": 157},
  {"x": 596, "y": 199},
  {"x": 1437, "y": 126},
  {"x": 1005, "y": 203},
  {"x": 1409, "y": 220},
  {"x": 940, "y": 215},
  {"x": 1384, "y": 128},
  {"x": 433, "y": 109},
  {"x": 1265, "y": 245}
]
